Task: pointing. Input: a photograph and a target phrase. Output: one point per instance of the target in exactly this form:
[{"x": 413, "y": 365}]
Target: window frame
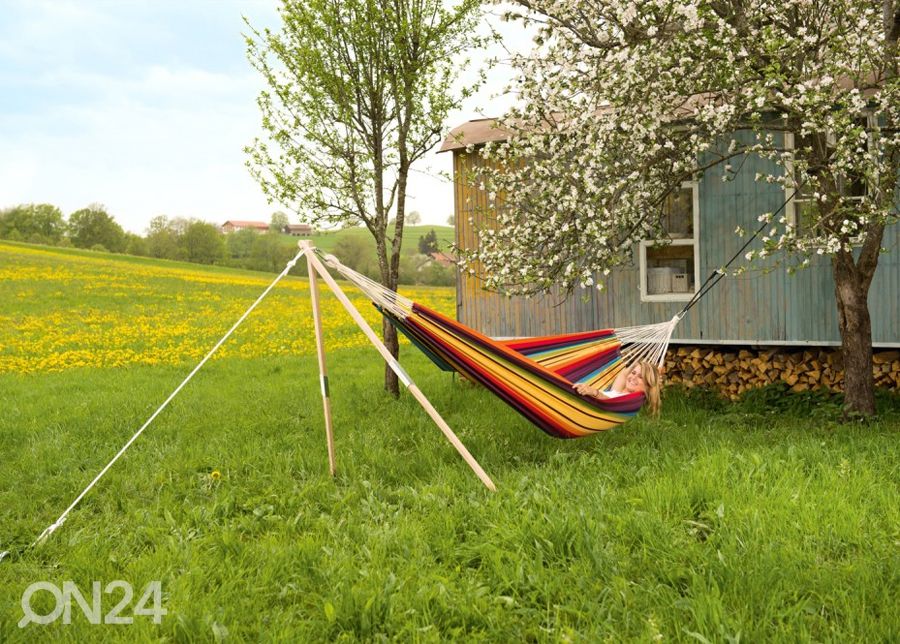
[
  {"x": 694, "y": 241},
  {"x": 790, "y": 211}
]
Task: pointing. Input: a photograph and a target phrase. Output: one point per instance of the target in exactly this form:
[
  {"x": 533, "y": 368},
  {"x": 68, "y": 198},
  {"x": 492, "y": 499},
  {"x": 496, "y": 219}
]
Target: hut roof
[
  {"x": 473, "y": 132},
  {"x": 480, "y": 131}
]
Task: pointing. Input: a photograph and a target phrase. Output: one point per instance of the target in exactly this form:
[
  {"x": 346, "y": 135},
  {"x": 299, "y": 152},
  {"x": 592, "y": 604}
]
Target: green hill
[{"x": 327, "y": 240}]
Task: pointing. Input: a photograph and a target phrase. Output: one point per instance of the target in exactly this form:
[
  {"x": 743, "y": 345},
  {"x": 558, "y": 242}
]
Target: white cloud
[
  {"x": 153, "y": 81},
  {"x": 42, "y": 30},
  {"x": 119, "y": 109}
]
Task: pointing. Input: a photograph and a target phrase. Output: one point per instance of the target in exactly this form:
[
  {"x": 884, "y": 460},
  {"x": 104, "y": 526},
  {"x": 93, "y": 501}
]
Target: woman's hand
[{"x": 585, "y": 389}]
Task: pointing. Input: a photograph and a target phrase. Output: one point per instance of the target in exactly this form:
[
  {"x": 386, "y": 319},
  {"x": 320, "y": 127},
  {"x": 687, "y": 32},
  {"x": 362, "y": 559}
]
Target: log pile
[{"x": 733, "y": 371}]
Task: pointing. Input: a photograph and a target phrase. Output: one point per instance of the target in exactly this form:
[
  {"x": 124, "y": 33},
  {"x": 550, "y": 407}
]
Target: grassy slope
[
  {"x": 65, "y": 309},
  {"x": 711, "y": 523},
  {"x": 133, "y": 260},
  {"x": 411, "y": 234}
]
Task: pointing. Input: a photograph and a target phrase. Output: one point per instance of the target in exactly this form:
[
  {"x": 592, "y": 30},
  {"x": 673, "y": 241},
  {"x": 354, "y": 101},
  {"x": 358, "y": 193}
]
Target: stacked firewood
[{"x": 732, "y": 372}]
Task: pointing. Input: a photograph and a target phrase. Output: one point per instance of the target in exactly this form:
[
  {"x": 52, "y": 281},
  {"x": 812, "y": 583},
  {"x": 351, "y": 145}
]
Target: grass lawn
[{"x": 766, "y": 520}]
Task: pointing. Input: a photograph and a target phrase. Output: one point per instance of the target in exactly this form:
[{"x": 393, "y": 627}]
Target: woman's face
[{"x": 634, "y": 381}]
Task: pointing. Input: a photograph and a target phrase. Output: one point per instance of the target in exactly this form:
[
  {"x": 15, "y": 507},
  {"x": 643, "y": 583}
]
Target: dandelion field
[
  {"x": 718, "y": 522},
  {"x": 83, "y": 309}
]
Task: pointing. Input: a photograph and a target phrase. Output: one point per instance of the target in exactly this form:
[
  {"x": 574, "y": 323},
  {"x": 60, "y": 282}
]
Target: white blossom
[{"x": 608, "y": 122}]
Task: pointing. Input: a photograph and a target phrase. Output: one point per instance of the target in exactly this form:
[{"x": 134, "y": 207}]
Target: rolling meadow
[{"x": 768, "y": 519}]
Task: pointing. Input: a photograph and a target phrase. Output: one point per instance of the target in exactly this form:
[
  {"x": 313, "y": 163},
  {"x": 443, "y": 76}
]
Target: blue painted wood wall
[{"x": 760, "y": 307}]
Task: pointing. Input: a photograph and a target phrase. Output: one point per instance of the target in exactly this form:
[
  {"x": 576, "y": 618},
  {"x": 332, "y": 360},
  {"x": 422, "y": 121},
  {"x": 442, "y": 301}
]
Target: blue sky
[{"x": 144, "y": 106}]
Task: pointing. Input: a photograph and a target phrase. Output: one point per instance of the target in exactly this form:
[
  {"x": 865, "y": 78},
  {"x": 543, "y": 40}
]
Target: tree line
[
  {"x": 200, "y": 242},
  {"x": 178, "y": 238}
]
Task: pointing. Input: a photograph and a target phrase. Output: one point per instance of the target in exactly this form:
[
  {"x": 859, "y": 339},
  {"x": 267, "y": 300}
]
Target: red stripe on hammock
[
  {"x": 511, "y": 395},
  {"x": 523, "y": 361},
  {"x": 550, "y": 341}
]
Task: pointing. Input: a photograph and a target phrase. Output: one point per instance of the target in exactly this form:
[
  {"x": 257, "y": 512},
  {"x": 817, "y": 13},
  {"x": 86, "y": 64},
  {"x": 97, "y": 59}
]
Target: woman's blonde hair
[{"x": 653, "y": 385}]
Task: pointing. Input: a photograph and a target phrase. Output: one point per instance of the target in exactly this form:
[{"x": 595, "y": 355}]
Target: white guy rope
[{"x": 53, "y": 526}]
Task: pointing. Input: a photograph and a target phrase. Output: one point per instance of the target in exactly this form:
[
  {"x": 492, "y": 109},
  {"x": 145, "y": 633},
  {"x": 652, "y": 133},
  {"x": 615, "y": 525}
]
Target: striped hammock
[{"x": 534, "y": 376}]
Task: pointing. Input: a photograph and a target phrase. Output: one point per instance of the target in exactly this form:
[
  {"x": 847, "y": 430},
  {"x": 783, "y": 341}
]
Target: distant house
[
  {"x": 233, "y": 225},
  {"x": 298, "y": 230},
  {"x": 443, "y": 258}
]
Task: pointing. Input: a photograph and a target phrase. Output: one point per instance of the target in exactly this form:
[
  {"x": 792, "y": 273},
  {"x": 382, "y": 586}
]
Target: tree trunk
[
  {"x": 388, "y": 332},
  {"x": 851, "y": 289}
]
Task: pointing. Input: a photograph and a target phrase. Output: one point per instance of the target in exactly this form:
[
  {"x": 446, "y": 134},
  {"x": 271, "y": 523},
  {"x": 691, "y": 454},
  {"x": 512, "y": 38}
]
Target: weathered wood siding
[
  {"x": 759, "y": 307},
  {"x": 491, "y": 313}
]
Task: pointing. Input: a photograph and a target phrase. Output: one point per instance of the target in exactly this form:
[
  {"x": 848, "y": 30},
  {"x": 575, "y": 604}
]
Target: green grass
[
  {"x": 712, "y": 523},
  {"x": 767, "y": 520}
]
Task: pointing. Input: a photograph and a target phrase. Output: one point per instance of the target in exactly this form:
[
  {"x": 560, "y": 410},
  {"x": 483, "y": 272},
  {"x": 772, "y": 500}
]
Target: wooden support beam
[
  {"x": 395, "y": 366},
  {"x": 320, "y": 351}
]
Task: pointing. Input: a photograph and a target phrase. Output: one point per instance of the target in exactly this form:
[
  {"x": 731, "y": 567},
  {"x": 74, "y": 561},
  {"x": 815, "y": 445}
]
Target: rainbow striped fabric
[{"x": 534, "y": 376}]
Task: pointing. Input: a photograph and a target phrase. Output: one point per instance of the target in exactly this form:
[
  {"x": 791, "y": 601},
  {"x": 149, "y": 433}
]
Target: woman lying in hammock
[{"x": 643, "y": 377}]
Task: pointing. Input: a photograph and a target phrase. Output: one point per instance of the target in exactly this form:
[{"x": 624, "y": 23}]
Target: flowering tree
[
  {"x": 621, "y": 102},
  {"x": 358, "y": 91}
]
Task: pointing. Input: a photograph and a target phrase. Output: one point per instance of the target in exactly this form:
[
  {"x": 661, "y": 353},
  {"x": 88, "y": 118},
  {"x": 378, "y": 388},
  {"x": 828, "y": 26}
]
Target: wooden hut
[
  {"x": 298, "y": 230},
  {"x": 757, "y": 308}
]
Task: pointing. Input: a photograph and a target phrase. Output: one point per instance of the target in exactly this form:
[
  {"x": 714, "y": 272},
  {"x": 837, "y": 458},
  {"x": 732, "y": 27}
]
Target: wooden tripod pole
[
  {"x": 401, "y": 373},
  {"x": 320, "y": 350}
]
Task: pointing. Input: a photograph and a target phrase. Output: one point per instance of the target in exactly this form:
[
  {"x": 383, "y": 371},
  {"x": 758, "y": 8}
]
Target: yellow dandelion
[
  {"x": 171, "y": 315},
  {"x": 215, "y": 475}
]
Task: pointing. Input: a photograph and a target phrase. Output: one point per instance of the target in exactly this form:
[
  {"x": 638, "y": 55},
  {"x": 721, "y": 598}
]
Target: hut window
[
  {"x": 801, "y": 211},
  {"x": 669, "y": 265}
]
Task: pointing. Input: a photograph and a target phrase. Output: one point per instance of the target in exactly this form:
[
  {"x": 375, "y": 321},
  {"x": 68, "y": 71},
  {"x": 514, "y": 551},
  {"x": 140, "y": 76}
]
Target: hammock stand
[
  {"x": 535, "y": 376},
  {"x": 315, "y": 266}
]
